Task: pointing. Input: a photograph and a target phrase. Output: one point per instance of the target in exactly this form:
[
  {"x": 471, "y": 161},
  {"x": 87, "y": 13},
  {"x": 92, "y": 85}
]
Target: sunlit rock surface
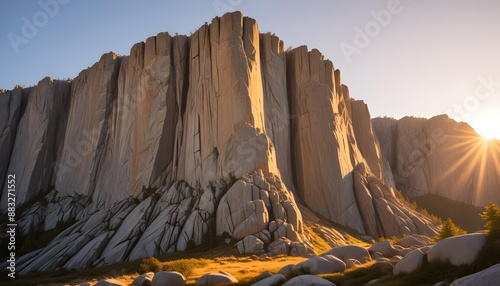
[
  {"x": 222, "y": 134},
  {"x": 442, "y": 157}
]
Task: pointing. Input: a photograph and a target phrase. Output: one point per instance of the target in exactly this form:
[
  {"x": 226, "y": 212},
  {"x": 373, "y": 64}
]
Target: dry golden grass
[{"x": 243, "y": 268}]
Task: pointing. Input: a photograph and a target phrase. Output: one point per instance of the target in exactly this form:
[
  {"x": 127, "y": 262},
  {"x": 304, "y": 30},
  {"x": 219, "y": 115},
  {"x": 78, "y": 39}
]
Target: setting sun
[{"x": 488, "y": 129}]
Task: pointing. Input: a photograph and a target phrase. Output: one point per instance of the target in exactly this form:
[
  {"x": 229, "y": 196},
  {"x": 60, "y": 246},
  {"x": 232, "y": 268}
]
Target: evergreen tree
[
  {"x": 448, "y": 229},
  {"x": 491, "y": 217}
]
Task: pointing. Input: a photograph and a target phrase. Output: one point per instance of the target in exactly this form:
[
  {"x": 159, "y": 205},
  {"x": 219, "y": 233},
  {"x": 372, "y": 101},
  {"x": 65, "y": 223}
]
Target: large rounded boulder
[
  {"x": 168, "y": 278},
  {"x": 457, "y": 250}
]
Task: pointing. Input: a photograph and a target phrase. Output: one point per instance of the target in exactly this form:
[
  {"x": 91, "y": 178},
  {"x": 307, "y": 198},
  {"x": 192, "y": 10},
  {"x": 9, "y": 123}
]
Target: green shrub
[
  {"x": 491, "y": 218},
  {"x": 184, "y": 266},
  {"x": 151, "y": 264},
  {"x": 448, "y": 229}
]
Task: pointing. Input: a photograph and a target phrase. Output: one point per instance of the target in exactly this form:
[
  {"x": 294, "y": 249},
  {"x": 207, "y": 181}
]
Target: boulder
[
  {"x": 311, "y": 280},
  {"x": 404, "y": 251},
  {"x": 323, "y": 264},
  {"x": 168, "y": 278},
  {"x": 384, "y": 247},
  {"x": 395, "y": 259},
  {"x": 346, "y": 252},
  {"x": 262, "y": 276},
  {"x": 110, "y": 282},
  {"x": 276, "y": 279},
  {"x": 145, "y": 279},
  {"x": 250, "y": 245},
  {"x": 487, "y": 277},
  {"x": 411, "y": 262},
  {"x": 376, "y": 255},
  {"x": 280, "y": 246},
  {"x": 300, "y": 249},
  {"x": 413, "y": 241},
  {"x": 351, "y": 263},
  {"x": 457, "y": 250},
  {"x": 221, "y": 277},
  {"x": 286, "y": 270}
]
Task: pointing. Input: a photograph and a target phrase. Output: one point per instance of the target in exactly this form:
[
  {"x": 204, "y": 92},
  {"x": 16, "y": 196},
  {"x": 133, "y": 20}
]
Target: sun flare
[{"x": 488, "y": 129}]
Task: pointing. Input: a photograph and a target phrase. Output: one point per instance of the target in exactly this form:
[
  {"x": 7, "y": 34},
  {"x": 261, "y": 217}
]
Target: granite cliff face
[
  {"x": 220, "y": 133},
  {"x": 442, "y": 157}
]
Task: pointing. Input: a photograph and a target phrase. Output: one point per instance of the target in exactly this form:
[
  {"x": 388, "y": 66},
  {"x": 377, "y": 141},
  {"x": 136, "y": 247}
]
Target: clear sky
[{"x": 420, "y": 58}]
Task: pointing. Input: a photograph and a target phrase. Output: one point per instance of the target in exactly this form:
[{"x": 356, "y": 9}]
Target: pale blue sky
[{"x": 430, "y": 58}]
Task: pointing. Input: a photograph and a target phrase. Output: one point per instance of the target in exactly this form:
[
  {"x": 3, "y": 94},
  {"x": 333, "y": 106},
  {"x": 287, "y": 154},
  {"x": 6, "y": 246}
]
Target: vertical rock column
[
  {"x": 321, "y": 147},
  {"x": 145, "y": 116},
  {"x": 276, "y": 107},
  {"x": 87, "y": 132},
  {"x": 11, "y": 106},
  {"x": 224, "y": 121},
  {"x": 38, "y": 138}
]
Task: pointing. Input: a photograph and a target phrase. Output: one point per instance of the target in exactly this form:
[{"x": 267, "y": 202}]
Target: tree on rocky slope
[
  {"x": 448, "y": 229},
  {"x": 491, "y": 217}
]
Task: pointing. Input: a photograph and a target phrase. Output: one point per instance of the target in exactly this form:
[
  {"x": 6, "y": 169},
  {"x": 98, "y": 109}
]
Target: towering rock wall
[
  {"x": 341, "y": 179},
  {"x": 218, "y": 133},
  {"x": 38, "y": 137},
  {"x": 442, "y": 157}
]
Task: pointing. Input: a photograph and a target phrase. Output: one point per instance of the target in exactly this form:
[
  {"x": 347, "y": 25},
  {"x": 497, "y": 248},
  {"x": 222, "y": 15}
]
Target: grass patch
[
  {"x": 319, "y": 244},
  {"x": 185, "y": 266}
]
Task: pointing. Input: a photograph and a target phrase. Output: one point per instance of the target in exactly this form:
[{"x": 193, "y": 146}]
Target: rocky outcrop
[
  {"x": 486, "y": 277},
  {"x": 12, "y": 104},
  {"x": 323, "y": 264},
  {"x": 222, "y": 133},
  {"x": 410, "y": 262},
  {"x": 308, "y": 280},
  {"x": 168, "y": 278},
  {"x": 39, "y": 137},
  {"x": 457, "y": 250},
  {"x": 144, "y": 279},
  {"x": 220, "y": 277},
  {"x": 442, "y": 157}
]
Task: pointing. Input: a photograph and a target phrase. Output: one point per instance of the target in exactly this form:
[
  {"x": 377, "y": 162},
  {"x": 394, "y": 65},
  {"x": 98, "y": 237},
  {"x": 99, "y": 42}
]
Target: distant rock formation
[
  {"x": 442, "y": 157},
  {"x": 220, "y": 133}
]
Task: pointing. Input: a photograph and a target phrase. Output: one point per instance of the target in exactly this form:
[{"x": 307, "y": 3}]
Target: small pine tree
[
  {"x": 448, "y": 229},
  {"x": 491, "y": 217}
]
